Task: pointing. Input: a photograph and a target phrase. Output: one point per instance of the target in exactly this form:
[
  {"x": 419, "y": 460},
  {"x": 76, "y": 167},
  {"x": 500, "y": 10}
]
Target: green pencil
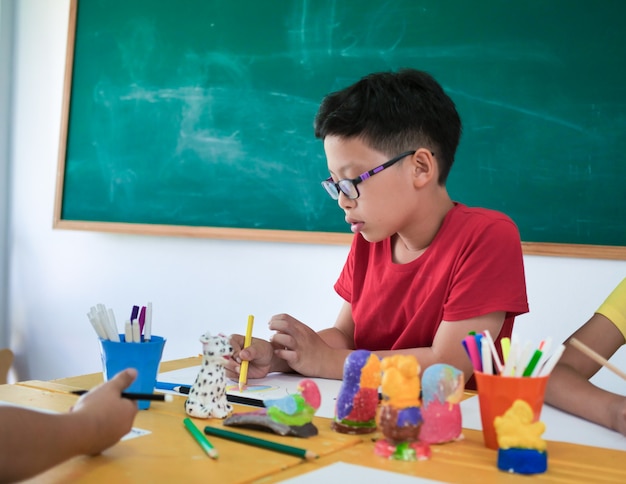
[
  {"x": 201, "y": 439},
  {"x": 264, "y": 444}
]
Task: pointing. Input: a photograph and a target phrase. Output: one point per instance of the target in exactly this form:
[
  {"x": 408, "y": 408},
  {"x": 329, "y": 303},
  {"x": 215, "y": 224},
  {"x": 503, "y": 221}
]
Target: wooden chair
[{"x": 6, "y": 360}]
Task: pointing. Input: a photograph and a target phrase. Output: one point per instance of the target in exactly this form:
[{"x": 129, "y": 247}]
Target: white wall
[
  {"x": 194, "y": 284},
  {"x": 6, "y": 40}
]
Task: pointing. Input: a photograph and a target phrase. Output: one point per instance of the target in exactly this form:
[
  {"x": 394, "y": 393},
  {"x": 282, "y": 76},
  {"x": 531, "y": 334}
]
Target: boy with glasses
[{"x": 423, "y": 270}]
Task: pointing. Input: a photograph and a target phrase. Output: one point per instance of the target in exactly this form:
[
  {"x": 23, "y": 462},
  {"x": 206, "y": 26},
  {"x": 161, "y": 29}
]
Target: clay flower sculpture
[
  {"x": 521, "y": 448},
  {"x": 355, "y": 411},
  {"x": 442, "y": 392},
  {"x": 291, "y": 414},
  {"x": 207, "y": 397},
  {"x": 399, "y": 417}
]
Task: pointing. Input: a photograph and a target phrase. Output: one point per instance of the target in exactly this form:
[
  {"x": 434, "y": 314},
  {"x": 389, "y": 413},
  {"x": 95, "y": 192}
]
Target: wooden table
[{"x": 169, "y": 454}]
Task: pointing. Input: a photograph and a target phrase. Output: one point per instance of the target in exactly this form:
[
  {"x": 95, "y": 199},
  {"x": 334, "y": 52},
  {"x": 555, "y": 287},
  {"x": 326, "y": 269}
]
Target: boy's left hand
[{"x": 302, "y": 348}]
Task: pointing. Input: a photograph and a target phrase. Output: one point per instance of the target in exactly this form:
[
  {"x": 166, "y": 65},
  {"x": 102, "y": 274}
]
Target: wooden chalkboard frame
[{"x": 313, "y": 237}]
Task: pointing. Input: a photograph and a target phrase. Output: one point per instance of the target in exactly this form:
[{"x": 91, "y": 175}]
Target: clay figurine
[
  {"x": 355, "y": 411},
  {"x": 442, "y": 391},
  {"x": 521, "y": 448},
  {"x": 289, "y": 415},
  {"x": 399, "y": 416},
  {"x": 207, "y": 397}
]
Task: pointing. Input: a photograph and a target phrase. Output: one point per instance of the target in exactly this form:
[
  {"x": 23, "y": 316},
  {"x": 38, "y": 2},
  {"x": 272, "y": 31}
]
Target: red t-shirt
[{"x": 474, "y": 266}]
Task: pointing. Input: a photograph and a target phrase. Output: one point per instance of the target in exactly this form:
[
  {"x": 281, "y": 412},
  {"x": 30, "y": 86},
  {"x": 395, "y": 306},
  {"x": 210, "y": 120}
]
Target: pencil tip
[{"x": 309, "y": 455}]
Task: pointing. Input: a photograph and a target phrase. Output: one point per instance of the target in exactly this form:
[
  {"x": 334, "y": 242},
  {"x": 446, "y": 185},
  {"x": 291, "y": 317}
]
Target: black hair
[{"x": 393, "y": 112}]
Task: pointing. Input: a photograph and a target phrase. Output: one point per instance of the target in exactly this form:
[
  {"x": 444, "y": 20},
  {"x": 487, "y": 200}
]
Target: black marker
[
  {"x": 159, "y": 397},
  {"x": 175, "y": 387}
]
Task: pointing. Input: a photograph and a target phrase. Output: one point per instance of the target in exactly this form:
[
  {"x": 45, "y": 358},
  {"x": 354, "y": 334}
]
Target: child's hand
[
  {"x": 260, "y": 355},
  {"x": 299, "y": 346},
  {"x": 619, "y": 416},
  {"x": 107, "y": 415}
]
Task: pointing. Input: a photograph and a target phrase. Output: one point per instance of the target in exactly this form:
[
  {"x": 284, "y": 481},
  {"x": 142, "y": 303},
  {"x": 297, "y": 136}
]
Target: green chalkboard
[{"x": 198, "y": 113}]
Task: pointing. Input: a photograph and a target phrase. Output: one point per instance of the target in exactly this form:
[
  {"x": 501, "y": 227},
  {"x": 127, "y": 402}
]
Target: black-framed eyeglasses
[{"x": 348, "y": 187}]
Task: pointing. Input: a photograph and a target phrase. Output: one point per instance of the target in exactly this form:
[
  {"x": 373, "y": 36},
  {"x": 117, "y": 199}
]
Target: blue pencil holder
[{"x": 145, "y": 357}]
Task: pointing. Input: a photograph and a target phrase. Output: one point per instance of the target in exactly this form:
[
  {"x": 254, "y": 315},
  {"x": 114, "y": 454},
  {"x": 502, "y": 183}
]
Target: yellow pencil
[{"x": 243, "y": 374}]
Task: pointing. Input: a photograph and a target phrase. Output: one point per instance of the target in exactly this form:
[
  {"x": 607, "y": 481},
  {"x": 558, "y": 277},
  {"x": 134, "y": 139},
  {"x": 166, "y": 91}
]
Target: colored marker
[
  {"x": 147, "y": 334},
  {"x": 175, "y": 387},
  {"x": 485, "y": 353},
  {"x": 469, "y": 342},
  {"x": 134, "y": 313},
  {"x": 128, "y": 332},
  {"x": 505, "y": 344},
  {"x": 523, "y": 358},
  {"x": 155, "y": 397},
  {"x": 114, "y": 336},
  {"x": 552, "y": 361},
  {"x": 95, "y": 322},
  {"x": 494, "y": 352},
  {"x": 135, "y": 331},
  {"x": 142, "y": 318},
  {"x": 530, "y": 368}
]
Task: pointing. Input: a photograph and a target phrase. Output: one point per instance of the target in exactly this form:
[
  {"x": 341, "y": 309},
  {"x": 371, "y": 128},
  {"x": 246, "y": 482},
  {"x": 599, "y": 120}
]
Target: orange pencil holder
[{"x": 496, "y": 394}]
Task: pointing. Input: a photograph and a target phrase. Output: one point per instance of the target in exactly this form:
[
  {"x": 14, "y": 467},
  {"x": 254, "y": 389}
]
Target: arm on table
[
  {"x": 35, "y": 441},
  {"x": 569, "y": 387}
]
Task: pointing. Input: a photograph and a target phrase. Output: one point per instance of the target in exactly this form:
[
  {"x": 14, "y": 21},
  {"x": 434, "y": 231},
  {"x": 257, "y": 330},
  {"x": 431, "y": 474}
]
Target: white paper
[
  {"x": 560, "y": 426},
  {"x": 273, "y": 386},
  {"x": 135, "y": 432},
  {"x": 342, "y": 472}
]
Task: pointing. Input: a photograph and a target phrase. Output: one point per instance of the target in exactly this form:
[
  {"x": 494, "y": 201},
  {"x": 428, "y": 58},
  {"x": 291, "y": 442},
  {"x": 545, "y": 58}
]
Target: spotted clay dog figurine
[{"x": 207, "y": 397}]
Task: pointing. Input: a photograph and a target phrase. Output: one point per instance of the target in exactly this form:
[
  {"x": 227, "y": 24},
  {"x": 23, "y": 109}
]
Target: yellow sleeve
[{"x": 614, "y": 307}]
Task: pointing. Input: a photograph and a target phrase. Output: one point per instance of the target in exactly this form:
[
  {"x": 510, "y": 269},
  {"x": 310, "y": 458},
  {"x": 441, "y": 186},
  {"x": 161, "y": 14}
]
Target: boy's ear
[{"x": 425, "y": 168}]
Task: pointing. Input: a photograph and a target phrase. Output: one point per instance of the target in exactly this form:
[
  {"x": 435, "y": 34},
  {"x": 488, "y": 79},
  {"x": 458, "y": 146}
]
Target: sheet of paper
[
  {"x": 135, "y": 432},
  {"x": 274, "y": 386},
  {"x": 560, "y": 426},
  {"x": 342, "y": 472}
]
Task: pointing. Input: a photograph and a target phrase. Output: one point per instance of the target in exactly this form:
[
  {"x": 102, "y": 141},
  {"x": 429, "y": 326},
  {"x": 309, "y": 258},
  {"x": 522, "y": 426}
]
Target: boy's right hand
[
  {"x": 106, "y": 413},
  {"x": 260, "y": 354}
]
